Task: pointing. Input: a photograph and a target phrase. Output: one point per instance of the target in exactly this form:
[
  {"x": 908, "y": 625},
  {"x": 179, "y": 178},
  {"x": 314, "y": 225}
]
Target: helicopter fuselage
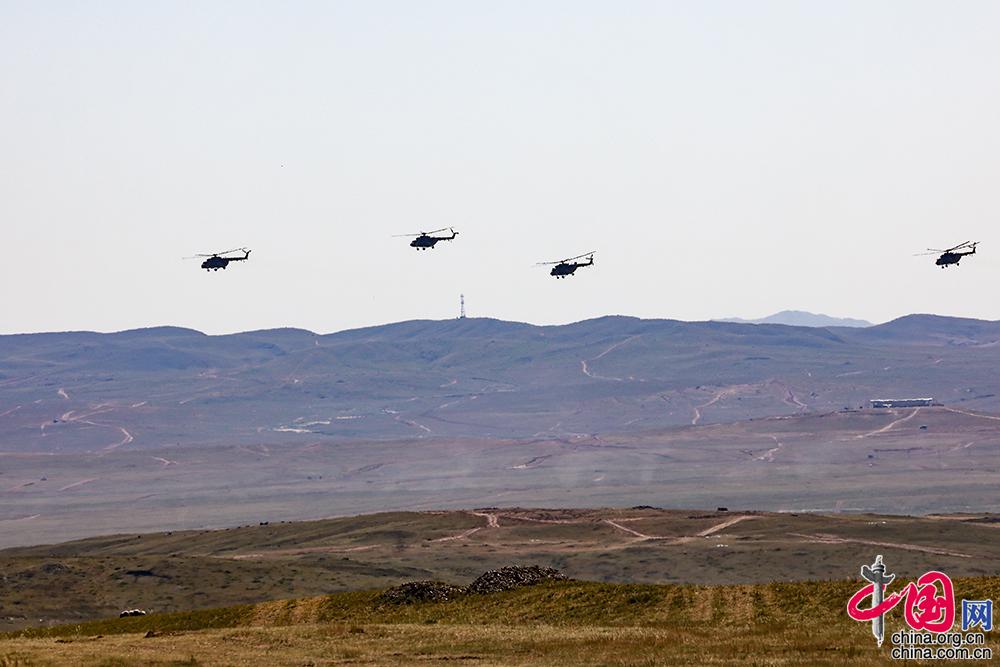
[
  {"x": 425, "y": 241},
  {"x": 214, "y": 263},
  {"x": 949, "y": 258},
  {"x": 563, "y": 269}
]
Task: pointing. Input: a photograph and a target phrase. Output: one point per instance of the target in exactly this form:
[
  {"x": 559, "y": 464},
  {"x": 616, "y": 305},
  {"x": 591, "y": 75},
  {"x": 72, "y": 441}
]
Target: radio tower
[{"x": 461, "y": 300}]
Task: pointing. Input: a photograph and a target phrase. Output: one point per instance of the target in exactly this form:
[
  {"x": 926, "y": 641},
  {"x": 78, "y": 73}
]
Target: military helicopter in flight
[
  {"x": 567, "y": 267},
  {"x": 427, "y": 240},
  {"x": 218, "y": 260},
  {"x": 953, "y": 255}
]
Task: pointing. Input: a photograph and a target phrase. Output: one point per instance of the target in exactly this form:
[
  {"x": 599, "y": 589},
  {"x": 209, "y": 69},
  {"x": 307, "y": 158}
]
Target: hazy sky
[{"x": 723, "y": 158}]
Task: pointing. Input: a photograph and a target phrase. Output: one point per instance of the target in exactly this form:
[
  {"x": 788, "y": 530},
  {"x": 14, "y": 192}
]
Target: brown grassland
[
  {"x": 557, "y": 623},
  {"x": 79, "y": 581}
]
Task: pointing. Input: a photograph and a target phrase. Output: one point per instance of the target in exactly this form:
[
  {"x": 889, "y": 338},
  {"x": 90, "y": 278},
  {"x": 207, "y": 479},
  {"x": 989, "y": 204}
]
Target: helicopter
[
  {"x": 567, "y": 267},
  {"x": 953, "y": 255},
  {"x": 427, "y": 240},
  {"x": 217, "y": 260}
]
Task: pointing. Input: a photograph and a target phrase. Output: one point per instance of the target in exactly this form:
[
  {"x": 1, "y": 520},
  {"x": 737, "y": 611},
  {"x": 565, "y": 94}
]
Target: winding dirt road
[
  {"x": 824, "y": 538},
  {"x": 585, "y": 368},
  {"x": 972, "y": 414},
  {"x": 491, "y": 519},
  {"x": 461, "y": 536},
  {"x": 80, "y": 483},
  {"x": 769, "y": 454},
  {"x": 683, "y": 539},
  {"x": 636, "y": 533},
  {"x": 891, "y": 425},
  {"x": 725, "y": 392}
]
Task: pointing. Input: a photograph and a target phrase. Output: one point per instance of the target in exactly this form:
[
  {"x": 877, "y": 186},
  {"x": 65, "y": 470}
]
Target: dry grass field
[
  {"x": 183, "y": 571},
  {"x": 558, "y": 623}
]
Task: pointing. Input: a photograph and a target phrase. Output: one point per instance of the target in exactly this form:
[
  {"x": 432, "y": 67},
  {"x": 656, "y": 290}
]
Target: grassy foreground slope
[
  {"x": 181, "y": 571},
  {"x": 559, "y": 623}
]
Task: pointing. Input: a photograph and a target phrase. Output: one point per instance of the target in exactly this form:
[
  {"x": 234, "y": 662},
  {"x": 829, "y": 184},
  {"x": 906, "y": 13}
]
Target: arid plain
[
  {"x": 908, "y": 461},
  {"x": 198, "y": 472}
]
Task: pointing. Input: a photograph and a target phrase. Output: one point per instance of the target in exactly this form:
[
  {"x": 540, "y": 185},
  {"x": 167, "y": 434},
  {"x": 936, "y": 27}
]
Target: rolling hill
[
  {"x": 76, "y": 392},
  {"x": 555, "y": 623},
  {"x": 800, "y": 318},
  {"x": 175, "y": 571},
  {"x": 170, "y": 429}
]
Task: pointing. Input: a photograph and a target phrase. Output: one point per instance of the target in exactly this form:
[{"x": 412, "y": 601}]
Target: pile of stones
[
  {"x": 509, "y": 578},
  {"x": 420, "y": 591},
  {"x": 493, "y": 581}
]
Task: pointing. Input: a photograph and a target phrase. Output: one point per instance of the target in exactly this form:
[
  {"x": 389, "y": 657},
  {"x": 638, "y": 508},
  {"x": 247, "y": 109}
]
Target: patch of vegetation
[
  {"x": 557, "y": 623},
  {"x": 202, "y": 619},
  {"x": 557, "y": 603}
]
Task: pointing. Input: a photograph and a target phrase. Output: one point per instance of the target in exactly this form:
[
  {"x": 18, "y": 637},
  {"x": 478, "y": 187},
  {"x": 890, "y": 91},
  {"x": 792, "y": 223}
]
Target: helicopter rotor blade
[
  {"x": 959, "y": 246},
  {"x": 396, "y": 236},
  {"x": 568, "y": 259},
  {"x": 215, "y": 254}
]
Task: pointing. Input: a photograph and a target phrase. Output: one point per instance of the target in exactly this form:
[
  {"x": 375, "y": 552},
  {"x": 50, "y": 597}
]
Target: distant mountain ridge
[
  {"x": 472, "y": 377},
  {"x": 801, "y": 318},
  {"x": 169, "y": 427}
]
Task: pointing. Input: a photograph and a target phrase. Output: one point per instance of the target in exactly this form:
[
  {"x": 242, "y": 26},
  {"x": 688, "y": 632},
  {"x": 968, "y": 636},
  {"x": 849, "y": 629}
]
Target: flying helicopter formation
[
  {"x": 560, "y": 268},
  {"x": 421, "y": 241}
]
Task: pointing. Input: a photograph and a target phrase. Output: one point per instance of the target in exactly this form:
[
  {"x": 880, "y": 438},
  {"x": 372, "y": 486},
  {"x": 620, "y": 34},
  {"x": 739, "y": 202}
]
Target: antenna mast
[{"x": 461, "y": 300}]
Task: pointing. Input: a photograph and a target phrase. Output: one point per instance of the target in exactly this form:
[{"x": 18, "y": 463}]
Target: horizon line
[{"x": 731, "y": 320}]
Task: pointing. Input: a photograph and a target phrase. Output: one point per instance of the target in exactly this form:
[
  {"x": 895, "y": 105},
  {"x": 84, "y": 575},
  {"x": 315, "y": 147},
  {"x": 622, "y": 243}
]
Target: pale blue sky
[{"x": 723, "y": 158}]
